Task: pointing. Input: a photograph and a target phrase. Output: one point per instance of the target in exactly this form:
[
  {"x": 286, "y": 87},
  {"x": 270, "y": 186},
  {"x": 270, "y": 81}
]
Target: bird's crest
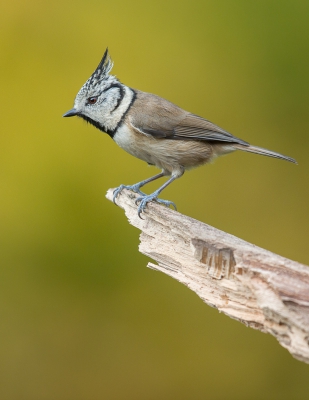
[{"x": 102, "y": 70}]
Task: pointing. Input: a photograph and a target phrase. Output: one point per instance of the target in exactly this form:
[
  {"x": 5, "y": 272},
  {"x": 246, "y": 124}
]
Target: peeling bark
[{"x": 254, "y": 286}]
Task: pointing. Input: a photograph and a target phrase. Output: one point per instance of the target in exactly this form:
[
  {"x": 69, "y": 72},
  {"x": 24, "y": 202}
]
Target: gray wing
[
  {"x": 194, "y": 127},
  {"x": 162, "y": 119}
]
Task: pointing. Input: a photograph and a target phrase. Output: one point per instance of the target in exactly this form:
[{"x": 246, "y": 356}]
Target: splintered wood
[{"x": 254, "y": 286}]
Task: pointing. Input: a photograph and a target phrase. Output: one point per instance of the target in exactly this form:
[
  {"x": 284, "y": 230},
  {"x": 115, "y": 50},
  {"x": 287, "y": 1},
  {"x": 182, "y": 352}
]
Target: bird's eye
[{"x": 92, "y": 100}]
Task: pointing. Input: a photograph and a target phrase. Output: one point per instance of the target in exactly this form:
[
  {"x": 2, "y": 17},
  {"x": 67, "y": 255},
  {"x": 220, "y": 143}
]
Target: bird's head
[{"x": 99, "y": 100}]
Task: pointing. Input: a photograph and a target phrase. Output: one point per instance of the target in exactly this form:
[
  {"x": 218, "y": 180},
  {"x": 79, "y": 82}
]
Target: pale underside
[{"x": 171, "y": 156}]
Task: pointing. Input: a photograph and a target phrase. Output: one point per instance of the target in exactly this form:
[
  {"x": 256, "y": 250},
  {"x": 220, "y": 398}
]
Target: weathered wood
[{"x": 261, "y": 289}]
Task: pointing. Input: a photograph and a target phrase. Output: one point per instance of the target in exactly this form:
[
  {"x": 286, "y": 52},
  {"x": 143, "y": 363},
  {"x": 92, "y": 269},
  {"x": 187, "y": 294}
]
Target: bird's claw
[
  {"x": 118, "y": 190},
  {"x": 144, "y": 199}
]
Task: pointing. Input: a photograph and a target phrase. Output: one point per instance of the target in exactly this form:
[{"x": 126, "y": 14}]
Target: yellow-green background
[{"x": 81, "y": 317}]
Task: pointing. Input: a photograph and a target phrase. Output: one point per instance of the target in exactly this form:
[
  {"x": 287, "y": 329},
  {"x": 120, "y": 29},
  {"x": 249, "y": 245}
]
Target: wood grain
[{"x": 254, "y": 286}]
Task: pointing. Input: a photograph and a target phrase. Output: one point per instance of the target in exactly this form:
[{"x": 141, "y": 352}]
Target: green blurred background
[{"x": 81, "y": 316}]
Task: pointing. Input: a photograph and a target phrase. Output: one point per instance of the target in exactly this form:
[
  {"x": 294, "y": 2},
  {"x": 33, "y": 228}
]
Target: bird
[{"x": 154, "y": 130}]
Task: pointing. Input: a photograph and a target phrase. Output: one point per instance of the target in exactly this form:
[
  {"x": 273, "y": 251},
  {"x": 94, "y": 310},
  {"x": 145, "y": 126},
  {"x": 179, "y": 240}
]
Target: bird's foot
[
  {"x": 144, "y": 199},
  {"x": 135, "y": 188}
]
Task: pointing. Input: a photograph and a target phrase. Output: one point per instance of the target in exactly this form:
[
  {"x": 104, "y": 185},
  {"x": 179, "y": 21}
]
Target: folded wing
[
  {"x": 162, "y": 119},
  {"x": 192, "y": 127}
]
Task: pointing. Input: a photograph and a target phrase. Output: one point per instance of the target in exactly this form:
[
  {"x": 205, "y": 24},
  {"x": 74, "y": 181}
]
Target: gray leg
[
  {"x": 144, "y": 199},
  {"x": 136, "y": 188}
]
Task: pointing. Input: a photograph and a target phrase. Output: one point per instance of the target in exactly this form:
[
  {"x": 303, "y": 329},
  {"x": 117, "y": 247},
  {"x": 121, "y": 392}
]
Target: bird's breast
[{"x": 138, "y": 145}]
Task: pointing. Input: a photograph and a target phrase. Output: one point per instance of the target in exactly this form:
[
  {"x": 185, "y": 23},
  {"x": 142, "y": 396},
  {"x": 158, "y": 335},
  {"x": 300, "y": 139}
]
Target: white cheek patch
[{"x": 114, "y": 116}]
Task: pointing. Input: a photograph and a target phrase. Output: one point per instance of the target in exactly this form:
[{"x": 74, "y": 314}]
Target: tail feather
[{"x": 263, "y": 152}]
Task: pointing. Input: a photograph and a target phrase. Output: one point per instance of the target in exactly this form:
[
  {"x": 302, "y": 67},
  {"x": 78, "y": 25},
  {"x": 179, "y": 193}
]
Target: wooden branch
[{"x": 261, "y": 289}]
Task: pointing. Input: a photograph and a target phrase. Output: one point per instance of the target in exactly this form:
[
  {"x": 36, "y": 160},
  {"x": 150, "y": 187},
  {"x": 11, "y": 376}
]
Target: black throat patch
[{"x": 97, "y": 125}]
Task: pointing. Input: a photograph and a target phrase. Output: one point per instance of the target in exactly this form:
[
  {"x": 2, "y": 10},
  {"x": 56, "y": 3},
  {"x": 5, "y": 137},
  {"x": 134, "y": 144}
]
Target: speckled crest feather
[{"x": 102, "y": 70}]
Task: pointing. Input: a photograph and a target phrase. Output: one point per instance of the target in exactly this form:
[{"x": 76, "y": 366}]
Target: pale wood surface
[{"x": 261, "y": 289}]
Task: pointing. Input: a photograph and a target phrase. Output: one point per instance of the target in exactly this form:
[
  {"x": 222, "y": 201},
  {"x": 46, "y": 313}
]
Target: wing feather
[
  {"x": 171, "y": 122},
  {"x": 193, "y": 127}
]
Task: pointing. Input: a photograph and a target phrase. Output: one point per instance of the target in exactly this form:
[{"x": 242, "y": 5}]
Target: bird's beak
[{"x": 71, "y": 113}]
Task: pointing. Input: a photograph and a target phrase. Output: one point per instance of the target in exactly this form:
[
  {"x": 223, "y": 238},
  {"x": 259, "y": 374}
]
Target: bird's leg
[
  {"x": 136, "y": 188},
  {"x": 144, "y": 199}
]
